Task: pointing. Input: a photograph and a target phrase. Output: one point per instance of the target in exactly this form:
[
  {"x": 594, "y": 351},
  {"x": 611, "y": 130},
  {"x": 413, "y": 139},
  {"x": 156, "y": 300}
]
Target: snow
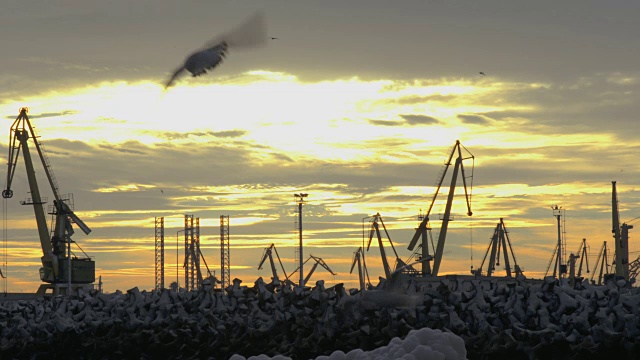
[
  {"x": 452, "y": 317},
  {"x": 422, "y": 344}
]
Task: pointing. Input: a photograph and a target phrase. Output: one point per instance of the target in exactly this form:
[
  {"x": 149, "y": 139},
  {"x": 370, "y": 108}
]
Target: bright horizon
[{"x": 365, "y": 135}]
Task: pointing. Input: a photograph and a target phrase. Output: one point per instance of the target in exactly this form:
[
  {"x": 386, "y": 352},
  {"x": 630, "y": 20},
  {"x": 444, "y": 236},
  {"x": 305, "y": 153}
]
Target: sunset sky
[{"x": 357, "y": 103}]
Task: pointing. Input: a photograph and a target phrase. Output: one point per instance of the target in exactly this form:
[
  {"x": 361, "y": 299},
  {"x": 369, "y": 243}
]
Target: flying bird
[
  {"x": 481, "y": 73},
  {"x": 251, "y": 33},
  {"x": 274, "y": 38}
]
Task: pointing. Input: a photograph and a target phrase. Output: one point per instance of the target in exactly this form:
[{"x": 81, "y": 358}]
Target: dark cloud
[
  {"x": 124, "y": 148},
  {"x": 416, "y": 99},
  {"x": 282, "y": 157},
  {"x": 229, "y": 133},
  {"x": 45, "y": 115},
  {"x": 385, "y": 122},
  {"x": 474, "y": 119},
  {"x": 110, "y": 37},
  {"x": 218, "y": 134},
  {"x": 410, "y": 119},
  {"x": 581, "y": 104},
  {"x": 419, "y": 119}
]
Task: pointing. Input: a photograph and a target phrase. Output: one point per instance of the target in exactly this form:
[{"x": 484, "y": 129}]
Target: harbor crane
[
  {"x": 634, "y": 268},
  {"x": 424, "y": 257},
  {"x": 318, "y": 261},
  {"x": 62, "y": 271},
  {"x": 375, "y": 229},
  {"x": 358, "y": 257},
  {"x": 621, "y": 237},
  {"x": 268, "y": 253},
  {"x": 194, "y": 252},
  {"x": 551, "y": 261},
  {"x": 584, "y": 258},
  {"x": 424, "y": 224},
  {"x": 602, "y": 262},
  {"x": 500, "y": 242}
]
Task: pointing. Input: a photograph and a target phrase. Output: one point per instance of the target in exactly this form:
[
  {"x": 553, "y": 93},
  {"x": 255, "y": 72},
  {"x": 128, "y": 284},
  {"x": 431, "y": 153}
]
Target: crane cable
[
  {"x": 473, "y": 163},
  {"x": 4, "y": 244},
  {"x": 471, "y": 240}
]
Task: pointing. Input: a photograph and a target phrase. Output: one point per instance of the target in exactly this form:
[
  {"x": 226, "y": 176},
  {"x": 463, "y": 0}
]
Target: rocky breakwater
[{"x": 514, "y": 319}]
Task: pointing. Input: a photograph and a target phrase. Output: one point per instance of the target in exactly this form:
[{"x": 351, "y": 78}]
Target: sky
[{"x": 357, "y": 103}]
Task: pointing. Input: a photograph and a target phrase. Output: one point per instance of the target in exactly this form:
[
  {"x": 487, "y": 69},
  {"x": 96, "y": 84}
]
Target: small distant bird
[
  {"x": 249, "y": 34},
  {"x": 162, "y": 191},
  {"x": 274, "y": 38},
  {"x": 481, "y": 73}
]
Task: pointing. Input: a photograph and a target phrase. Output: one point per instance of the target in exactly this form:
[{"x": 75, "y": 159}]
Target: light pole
[
  {"x": 177, "y": 261},
  {"x": 557, "y": 213},
  {"x": 300, "y": 200}
]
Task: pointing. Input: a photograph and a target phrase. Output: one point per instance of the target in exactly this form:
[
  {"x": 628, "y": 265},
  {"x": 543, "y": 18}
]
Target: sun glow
[{"x": 281, "y": 112}]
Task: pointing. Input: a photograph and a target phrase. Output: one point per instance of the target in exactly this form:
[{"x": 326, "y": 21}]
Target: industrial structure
[
  {"x": 500, "y": 242},
  {"x": 268, "y": 253},
  {"x": 557, "y": 258},
  {"x": 317, "y": 261},
  {"x": 193, "y": 278},
  {"x": 358, "y": 259},
  {"x": 620, "y": 236},
  {"x": 602, "y": 264},
  {"x": 225, "y": 252},
  {"x": 424, "y": 257},
  {"x": 300, "y": 201},
  {"x": 63, "y": 271},
  {"x": 193, "y": 256},
  {"x": 376, "y": 221},
  {"x": 159, "y": 253},
  {"x": 584, "y": 256}
]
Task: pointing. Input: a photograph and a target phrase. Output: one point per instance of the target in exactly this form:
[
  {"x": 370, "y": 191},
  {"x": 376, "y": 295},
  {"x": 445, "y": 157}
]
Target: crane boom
[
  {"x": 458, "y": 167},
  {"x": 376, "y": 229},
  {"x": 21, "y": 138},
  {"x": 318, "y": 261},
  {"x": 584, "y": 258},
  {"x": 621, "y": 237},
  {"x": 58, "y": 267},
  {"x": 268, "y": 253},
  {"x": 357, "y": 255}
]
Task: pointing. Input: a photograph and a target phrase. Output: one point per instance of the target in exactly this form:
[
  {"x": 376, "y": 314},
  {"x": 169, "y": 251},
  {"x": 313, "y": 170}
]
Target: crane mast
[
  {"x": 375, "y": 229},
  {"x": 268, "y": 253},
  {"x": 621, "y": 237},
  {"x": 59, "y": 270},
  {"x": 500, "y": 242},
  {"x": 357, "y": 255},
  {"x": 458, "y": 167}
]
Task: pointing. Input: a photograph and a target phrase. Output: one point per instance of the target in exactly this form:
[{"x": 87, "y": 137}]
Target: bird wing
[
  {"x": 173, "y": 77},
  {"x": 251, "y": 33}
]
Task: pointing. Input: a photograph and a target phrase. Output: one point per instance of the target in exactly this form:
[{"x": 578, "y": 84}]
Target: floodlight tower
[
  {"x": 225, "y": 252},
  {"x": 557, "y": 213},
  {"x": 300, "y": 200},
  {"x": 159, "y": 253}
]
